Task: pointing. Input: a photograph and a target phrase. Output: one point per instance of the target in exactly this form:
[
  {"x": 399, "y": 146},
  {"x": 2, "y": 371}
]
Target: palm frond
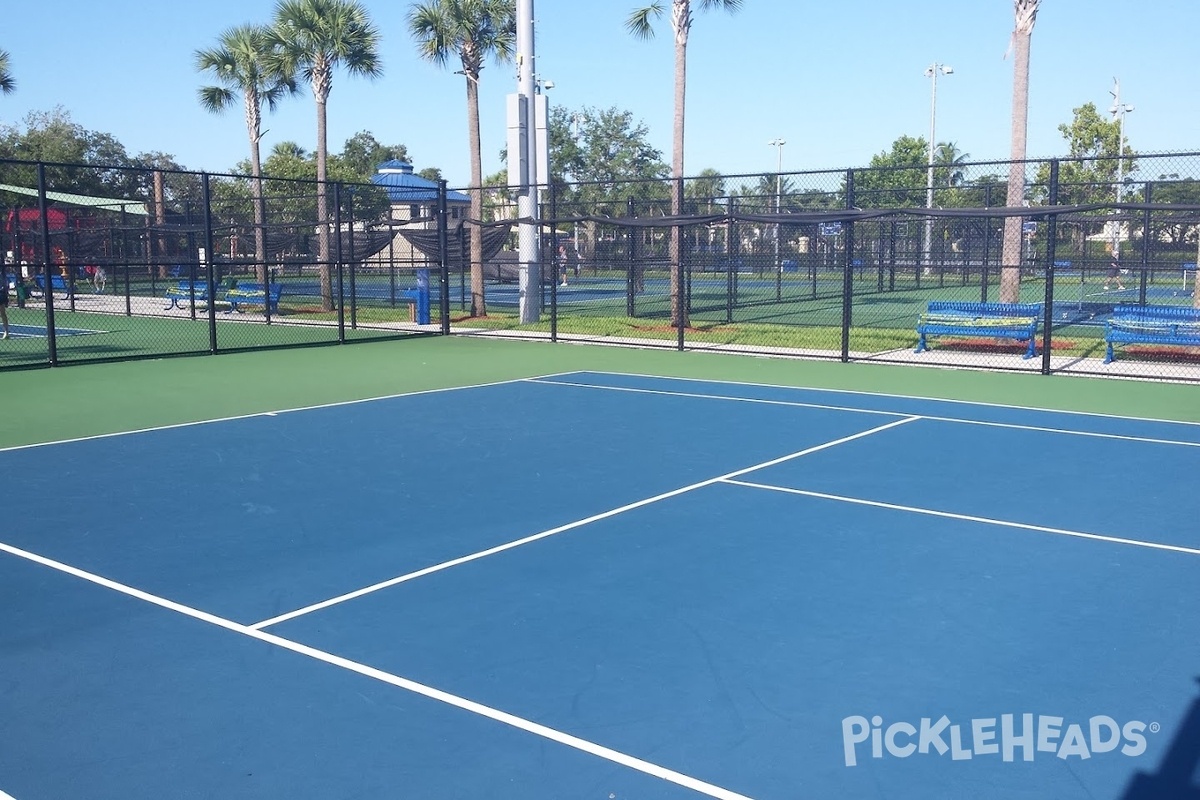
[
  {"x": 8, "y": 84},
  {"x": 640, "y": 21},
  {"x": 216, "y": 98},
  {"x": 473, "y": 30}
]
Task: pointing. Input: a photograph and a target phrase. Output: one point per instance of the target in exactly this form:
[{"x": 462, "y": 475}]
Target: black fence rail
[
  {"x": 103, "y": 263},
  {"x": 854, "y": 265},
  {"x": 1092, "y": 273}
]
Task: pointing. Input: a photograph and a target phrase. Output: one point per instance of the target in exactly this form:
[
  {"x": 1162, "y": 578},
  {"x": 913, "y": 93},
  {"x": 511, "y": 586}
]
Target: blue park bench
[
  {"x": 252, "y": 294},
  {"x": 1170, "y": 325},
  {"x": 57, "y": 283},
  {"x": 194, "y": 292},
  {"x": 1017, "y": 321}
]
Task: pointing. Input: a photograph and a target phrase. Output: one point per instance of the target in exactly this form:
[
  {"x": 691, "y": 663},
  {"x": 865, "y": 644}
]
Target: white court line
[
  {"x": 333, "y": 601},
  {"x": 701, "y": 396},
  {"x": 863, "y": 393},
  {"x": 852, "y": 409},
  {"x": 1191, "y": 551},
  {"x": 277, "y": 412},
  {"x": 388, "y": 678}
]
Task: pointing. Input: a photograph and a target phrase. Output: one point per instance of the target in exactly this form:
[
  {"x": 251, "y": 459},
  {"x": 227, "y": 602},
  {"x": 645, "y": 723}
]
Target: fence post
[
  {"x": 266, "y": 286},
  {"x": 730, "y": 266},
  {"x": 337, "y": 253},
  {"x": 987, "y": 245},
  {"x": 1146, "y": 241},
  {"x": 444, "y": 258},
  {"x": 848, "y": 270},
  {"x": 351, "y": 259},
  {"x": 1051, "y": 248},
  {"x": 464, "y": 264},
  {"x": 631, "y": 281},
  {"x": 683, "y": 278},
  {"x": 48, "y": 294},
  {"x": 210, "y": 275},
  {"x": 553, "y": 259}
]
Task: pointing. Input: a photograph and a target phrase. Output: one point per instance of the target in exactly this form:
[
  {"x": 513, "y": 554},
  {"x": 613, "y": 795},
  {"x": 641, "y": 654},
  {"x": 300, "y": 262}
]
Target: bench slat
[
  {"x": 1017, "y": 321},
  {"x": 252, "y": 294},
  {"x": 1169, "y": 325},
  {"x": 195, "y": 292}
]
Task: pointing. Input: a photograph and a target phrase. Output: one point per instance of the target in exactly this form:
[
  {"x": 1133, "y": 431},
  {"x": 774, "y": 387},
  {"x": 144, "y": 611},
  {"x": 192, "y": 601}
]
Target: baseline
[
  {"x": 966, "y": 517},
  {"x": 854, "y": 409},
  {"x": 277, "y": 412},
  {"x": 430, "y": 692},
  {"x": 858, "y": 393},
  {"x": 333, "y": 601}
]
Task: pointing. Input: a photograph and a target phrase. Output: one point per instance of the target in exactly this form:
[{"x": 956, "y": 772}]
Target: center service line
[
  {"x": 569, "y": 526},
  {"x": 1098, "y": 537},
  {"x": 386, "y": 677}
]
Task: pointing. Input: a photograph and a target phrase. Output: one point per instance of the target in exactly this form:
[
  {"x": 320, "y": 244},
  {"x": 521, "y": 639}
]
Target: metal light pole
[
  {"x": 932, "y": 72},
  {"x": 1119, "y": 111},
  {"x": 523, "y": 152},
  {"x": 778, "y": 145}
]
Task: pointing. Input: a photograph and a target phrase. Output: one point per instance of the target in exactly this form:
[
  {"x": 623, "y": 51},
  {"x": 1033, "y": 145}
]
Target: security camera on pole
[{"x": 527, "y": 163}]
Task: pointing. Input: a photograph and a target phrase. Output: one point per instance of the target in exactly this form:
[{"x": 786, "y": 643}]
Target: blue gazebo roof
[{"x": 404, "y": 186}]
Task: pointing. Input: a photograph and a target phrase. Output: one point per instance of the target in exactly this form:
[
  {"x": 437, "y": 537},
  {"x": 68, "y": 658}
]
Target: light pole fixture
[
  {"x": 778, "y": 145},
  {"x": 1119, "y": 110},
  {"x": 932, "y": 72}
]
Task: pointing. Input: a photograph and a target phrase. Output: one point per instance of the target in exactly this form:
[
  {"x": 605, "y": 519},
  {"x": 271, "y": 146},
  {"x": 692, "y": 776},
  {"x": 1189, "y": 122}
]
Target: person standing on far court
[{"x": 3, "y": 303}]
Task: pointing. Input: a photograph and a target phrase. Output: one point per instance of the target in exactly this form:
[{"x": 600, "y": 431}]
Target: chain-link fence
[
  {"x": 1090, "y": 269},
  {"x": 107, "y": 263}
]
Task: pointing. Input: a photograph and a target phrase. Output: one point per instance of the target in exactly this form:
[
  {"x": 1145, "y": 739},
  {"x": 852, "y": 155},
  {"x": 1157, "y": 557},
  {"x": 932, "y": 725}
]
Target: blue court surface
[{"x": 606, "y": 586}]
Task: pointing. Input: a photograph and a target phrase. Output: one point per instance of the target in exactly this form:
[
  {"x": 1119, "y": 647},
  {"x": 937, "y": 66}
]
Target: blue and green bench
[
  {"x": 194, "y": 292},
  {"x": 1016, "y": 321},
  {"x": 1177, "y": 326},
  {"x": 253, "y": 294}
]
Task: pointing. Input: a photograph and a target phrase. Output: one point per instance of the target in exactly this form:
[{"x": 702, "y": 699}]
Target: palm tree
[
  {"x": 950, "y": 163},
  {"x": 311, "y": 38},
  {"x": 1010, "y": 265},
  {"x": 472, "y": 30},
  {"x": 639, "y": 24},
  {"x": 7, "y": 84},
  {"x": 239, "y": 64}
]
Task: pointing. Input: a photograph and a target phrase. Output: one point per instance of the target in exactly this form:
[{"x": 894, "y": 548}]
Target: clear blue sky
[{"x": 838, "y": 81}]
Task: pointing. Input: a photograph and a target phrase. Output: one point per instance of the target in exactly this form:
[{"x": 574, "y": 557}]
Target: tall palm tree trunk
[
  {"x": 256, "y": 187},
  {"x": 160, "y": 222},
  {"x": 323, "y": 210},
  {"x": 679, "y": 311},
  {"x": 260, "y": 221},
  {"x": 478, "y": 302},
  {"x": 260, "y": 215},
  {"x": 1011, "y": 248}
]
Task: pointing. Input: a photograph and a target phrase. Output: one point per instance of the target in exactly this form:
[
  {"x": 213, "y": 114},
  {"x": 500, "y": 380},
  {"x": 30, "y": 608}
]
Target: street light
[
  {"x": 1119, "y": 110},
  {"x": 932, "y": 71},
  {"x": 778, "y": 145}
]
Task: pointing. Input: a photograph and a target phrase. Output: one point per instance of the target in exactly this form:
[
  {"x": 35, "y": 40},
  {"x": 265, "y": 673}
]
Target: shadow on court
[{"x": 1178, "y": 775}]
